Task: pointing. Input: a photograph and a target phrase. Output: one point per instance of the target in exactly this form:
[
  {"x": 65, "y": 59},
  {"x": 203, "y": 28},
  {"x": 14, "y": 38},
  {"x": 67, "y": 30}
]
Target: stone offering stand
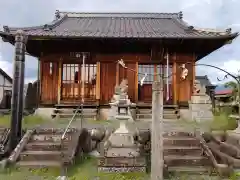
[{"x": 121, "y": 153}]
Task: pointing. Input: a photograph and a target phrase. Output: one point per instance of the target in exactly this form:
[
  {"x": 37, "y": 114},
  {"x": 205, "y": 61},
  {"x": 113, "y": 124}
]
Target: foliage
[{"x": 223, "y": 122}]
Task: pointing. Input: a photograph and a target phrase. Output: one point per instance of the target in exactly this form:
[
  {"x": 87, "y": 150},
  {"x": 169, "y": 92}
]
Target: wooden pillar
[
  {"x": 98, "y": 81},
  {"x": 174, "y": 84},
  {"x": 155, "y": 72},
  {"x": 157, "y": 161},
  {"x": 136, "y": 83},
  {"x": 117, "y": 74},
  {"x": 59, "y": 80}
]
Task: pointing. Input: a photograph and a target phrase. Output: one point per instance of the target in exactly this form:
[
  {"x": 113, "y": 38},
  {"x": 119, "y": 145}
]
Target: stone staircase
[
  {"x": 88, "y": 112},
  {"x": 169, "y": 112},
  {"x": 227, "y": 151},
  {"x": 43, "y": 148},
  {"x": 183, "y": 153},
  {"x": 4, "y": 136}
]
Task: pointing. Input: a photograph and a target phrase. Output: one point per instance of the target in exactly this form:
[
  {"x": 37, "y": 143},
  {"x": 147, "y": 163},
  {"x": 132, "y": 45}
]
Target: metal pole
[
  {"x": 157, "y": 131},
  {"x": 17, "y": 89}
]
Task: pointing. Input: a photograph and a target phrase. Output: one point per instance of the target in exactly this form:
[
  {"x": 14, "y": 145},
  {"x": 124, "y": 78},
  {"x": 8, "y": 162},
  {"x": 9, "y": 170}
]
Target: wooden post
[
  {"x": 193, "y": 75},
  {"x": 117, "y": 74},
  {"x": 136, "y": 83},
  {"x": 59, "y": 80},
  {"x": 98, "y": 81},
  {"x": 174, "y": 82},
  {"x": 17, "y": 90},
  {"x": 155, "y": 72},
  {"x": 157, "y": 131}
]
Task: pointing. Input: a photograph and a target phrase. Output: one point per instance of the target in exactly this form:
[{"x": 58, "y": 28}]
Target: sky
[{"x": 217, "y": 14}]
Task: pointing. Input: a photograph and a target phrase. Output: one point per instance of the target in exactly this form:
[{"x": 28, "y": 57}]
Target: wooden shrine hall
[{"x": 147, "y": 42}]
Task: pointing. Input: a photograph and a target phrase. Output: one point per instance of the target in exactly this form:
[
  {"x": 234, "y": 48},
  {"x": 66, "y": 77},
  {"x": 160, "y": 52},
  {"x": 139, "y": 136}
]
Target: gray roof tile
[{"x": 119, "y": 25}]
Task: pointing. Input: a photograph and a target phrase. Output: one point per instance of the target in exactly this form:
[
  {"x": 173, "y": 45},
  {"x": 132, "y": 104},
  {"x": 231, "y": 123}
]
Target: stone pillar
[
  {"x": 157, "y": 131},
  {"x": 17, "y": 89}
]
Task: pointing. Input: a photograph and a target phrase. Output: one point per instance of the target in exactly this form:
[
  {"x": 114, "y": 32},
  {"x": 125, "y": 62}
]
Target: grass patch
[
  {"x": 220, "y": 122},
  {"x": 84, "y": 169},
  {"x": 28, "y": 121},
  {"x": 223, "y": 122}
]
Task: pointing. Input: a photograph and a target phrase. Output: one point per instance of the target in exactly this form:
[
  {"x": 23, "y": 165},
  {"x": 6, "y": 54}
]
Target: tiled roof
[
  {"x": 204, "y": 80},
  {"x": 5, "y": 75},
  {"x": 119, "y": 25},
  {"x": 222, "y": 90}
]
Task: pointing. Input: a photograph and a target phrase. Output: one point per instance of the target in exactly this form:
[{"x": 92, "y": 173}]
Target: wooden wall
[
  {"x": 107, "y": 81},
  {"x": 112, "y": 74},
  {"x": 48, "y": 87}
]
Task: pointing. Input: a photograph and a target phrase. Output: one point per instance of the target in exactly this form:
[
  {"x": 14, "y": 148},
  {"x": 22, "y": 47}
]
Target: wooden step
[
  {"x": 45, "y": 146},
  {"x": 40, "y": 155},
  {"x": 179, "y": 160},
  {"x": 181, "y": 141},
  {"x": 74, "y": 110},
  {"x": 39, "y": 164},
  {"x": 182, "y": 150},
  {"x": 190, "y": 169}
]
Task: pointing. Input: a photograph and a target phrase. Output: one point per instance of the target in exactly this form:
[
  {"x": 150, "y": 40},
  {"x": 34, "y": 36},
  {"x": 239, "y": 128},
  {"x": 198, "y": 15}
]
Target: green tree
[{"x": 234, "y": 86}]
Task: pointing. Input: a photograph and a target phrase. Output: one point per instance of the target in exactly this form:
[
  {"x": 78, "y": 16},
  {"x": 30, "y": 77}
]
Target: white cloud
[{"x": 206, "y": 13}]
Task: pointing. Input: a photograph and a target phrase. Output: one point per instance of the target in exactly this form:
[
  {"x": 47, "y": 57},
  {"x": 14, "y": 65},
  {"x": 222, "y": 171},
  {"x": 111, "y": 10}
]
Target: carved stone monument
[
  {"x": 120, "y": 103},
  {"x": 200, "y": 104},
  {"x": 121, "y": 153}
]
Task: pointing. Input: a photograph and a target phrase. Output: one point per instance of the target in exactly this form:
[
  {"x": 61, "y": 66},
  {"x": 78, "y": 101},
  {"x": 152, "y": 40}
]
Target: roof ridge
[{"x": 119, "y": 14}]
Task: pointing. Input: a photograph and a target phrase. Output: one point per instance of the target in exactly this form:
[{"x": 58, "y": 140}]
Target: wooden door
[
  {"x": 107, "y": 81},
  {"x": 73, "y": 77}
]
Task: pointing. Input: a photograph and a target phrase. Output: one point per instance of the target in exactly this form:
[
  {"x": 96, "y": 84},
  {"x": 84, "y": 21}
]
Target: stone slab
[
  {"x": 121, "y": 161},
  {"x": 121, "y": 169}
]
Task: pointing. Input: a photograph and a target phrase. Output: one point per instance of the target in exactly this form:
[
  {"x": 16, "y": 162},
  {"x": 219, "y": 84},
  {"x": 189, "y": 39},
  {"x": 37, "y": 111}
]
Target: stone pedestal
[
  {"x": 201, "y": 108},
  {"x": 121, "y": 153}
]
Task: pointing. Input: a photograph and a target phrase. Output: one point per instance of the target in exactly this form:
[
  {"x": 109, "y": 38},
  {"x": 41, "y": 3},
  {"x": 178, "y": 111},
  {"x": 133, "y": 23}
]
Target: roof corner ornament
[
  {"x": 229, "y": 30},
  {"x": 190, "y": 27},
  {"x": 6, "y": 29},
  {"x": 46, "y": 27},
  {"x": 57, "y": 15},
  {"x": 180, "y": 15}
]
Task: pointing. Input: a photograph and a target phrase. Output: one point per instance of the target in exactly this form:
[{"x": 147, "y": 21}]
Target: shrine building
[{"x": 146, "y": 42}]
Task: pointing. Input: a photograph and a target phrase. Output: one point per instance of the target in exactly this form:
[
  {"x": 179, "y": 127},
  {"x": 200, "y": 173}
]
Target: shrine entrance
[
  {"x": 145, "y": 90},
  {"x": 78, "y": 80}
]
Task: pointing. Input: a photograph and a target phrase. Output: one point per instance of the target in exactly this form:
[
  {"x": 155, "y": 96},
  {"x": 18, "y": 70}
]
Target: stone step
[
  {"x": 74, "y": 110},
  {"x": 178, "y": 134},
  {"x": 41, "y": 156},
  {"x": 49, "y": 138},
  {"x": 56, "y": 131},
  {"x": 179, "y": 160},
  {"x": 182, "y": 150},
  {"x": 45, "y": 146},
  {"x": 39, "y": 164},
  {"x": 190, "y": 169},
  {"x": 181, "y": 141},
  {"x": 165, "y": 116}
]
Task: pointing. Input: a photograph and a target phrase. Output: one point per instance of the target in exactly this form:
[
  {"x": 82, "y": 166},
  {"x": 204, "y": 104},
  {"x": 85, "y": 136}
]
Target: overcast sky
[{"x": 220, "y": 14}]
